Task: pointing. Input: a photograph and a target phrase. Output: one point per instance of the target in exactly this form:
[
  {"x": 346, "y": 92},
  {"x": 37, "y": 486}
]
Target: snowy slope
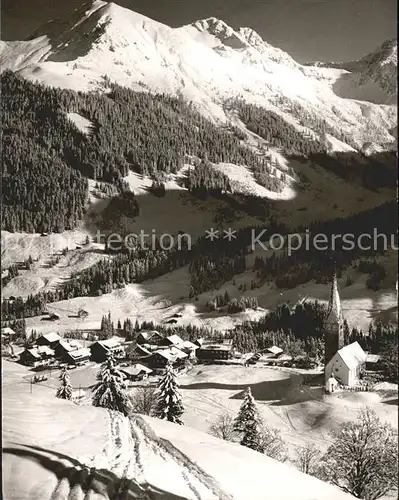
[
  {"x": 206, "y": 62},
  {"x": 54, "y": 449},
  {"x": 372, "y": 78}
]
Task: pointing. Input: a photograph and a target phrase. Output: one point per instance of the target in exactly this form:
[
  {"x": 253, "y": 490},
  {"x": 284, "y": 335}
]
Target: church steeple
[
  {"x": 334, "y": 323},
  {"x": 334, "y": 306}
]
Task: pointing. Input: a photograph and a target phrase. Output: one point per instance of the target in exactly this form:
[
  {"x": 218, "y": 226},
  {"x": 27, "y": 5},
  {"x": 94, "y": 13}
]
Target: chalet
[
  {"x": 172, "y": 340},
  {"x": 65, "y": 346},
  {"x": 149, "y": 337},
  {"x": 137, "y": 352},
  {"x": 49, "y": 339},
  {"x": 37, "y": 356},
  {"x": 160, "y": 358},
  {"x": 211, "y": 352},
  {"x": 101, "y": 349},
  {"x": 136, "y": 372},
  {"x": 348, "y": 364}
]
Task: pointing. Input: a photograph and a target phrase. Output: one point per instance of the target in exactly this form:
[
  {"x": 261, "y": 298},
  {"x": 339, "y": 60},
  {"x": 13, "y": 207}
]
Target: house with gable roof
[
  {"x": 49, "y": 340},
  {"x": 149, "y": 337}
]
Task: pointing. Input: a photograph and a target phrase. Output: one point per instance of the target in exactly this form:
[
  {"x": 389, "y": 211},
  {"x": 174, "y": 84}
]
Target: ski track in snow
[{"x": 135, "y": 455}]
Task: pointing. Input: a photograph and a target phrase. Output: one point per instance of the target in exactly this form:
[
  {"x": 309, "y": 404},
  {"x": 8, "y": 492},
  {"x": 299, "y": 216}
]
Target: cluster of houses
[
  {"x": 156, "y": 351},
  {"x": 51, "y": 347},
  {"x": 151, "y": 352}
]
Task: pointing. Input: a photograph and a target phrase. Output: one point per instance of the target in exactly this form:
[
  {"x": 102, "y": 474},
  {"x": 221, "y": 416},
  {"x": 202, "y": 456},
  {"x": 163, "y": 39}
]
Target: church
[{"x": 344, "y": 363}]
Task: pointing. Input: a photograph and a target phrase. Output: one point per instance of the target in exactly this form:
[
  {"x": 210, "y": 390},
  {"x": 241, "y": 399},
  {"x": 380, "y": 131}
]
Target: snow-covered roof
[
  {"x": 70, "y": 345},
  {"x": 51, "y": 337},
  {"x": 175, "y": 339},
  {"x": 79, "y": 353},
  {"x": 188, "y": 345},
  {"x": 274, "y": 349},
  {"x": 214, "y": 347},
  {"x": 110, "y": 343},
  {"x": 34, "y": 353},
  {"x": 37, "y": 352},
  {"x": 136, "y": 369},
  {"x": 171, "y": 354},
  {"x": 142, "y": 350},
  {"x": 147, "y": 335},
  {"x": 7, "y": 331},
  {"x": 352, "y": 355},
  {"x": 372, "y": 358}
]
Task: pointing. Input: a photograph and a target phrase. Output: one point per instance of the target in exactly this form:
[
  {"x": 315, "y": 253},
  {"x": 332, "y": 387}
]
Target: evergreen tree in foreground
[
  {"x": 248, "y": 424},
  {"x": 109, "y": 391},
  {"x": 169, "y": 405},
  {"x": 65, "y": 389}
]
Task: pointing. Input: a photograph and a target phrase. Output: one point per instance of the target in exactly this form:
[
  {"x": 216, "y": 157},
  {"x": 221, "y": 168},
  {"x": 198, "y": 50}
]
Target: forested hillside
[
  {"x": 46, "y": 157},
  {"x": 277, "y": 131}
]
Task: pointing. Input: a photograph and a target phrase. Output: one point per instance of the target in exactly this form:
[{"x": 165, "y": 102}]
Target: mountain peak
[
  {"x": 212, "y": 25},
  {"x": 221, "y": 32},
  {"x": 252, "y": 37}
]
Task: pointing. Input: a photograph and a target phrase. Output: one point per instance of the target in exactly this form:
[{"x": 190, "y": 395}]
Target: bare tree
[
  {"x": 144, "y": 400},
  {"x": 308, "y": 459},
  {"x": 363, "y": 459},
  {"x": 223, "y": 427},
  {"x": 271, "y": 443}
]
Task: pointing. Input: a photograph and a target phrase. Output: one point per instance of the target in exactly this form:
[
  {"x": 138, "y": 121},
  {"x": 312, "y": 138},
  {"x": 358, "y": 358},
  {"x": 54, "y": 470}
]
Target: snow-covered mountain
[
  {"x": 208, "y": 63},
  {"x": 373, "y": 78}
]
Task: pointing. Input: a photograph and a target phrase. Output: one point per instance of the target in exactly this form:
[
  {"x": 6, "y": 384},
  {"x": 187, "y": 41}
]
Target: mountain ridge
[{"x": 205, "y": 62}]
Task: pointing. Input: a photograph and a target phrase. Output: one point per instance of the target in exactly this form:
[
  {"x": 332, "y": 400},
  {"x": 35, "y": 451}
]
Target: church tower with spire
[{"x": 334, "y": 323}]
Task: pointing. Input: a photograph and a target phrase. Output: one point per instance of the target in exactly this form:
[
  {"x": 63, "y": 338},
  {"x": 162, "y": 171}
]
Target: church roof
[
  {"x": 352, "y": 355},
  {"x": 334, "y": 311}
]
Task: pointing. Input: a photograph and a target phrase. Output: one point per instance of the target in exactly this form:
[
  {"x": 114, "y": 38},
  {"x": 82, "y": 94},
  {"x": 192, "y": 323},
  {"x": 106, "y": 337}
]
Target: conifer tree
[
  {"x": 169, "y": 405},
  {"x": 65, "y": 389},
  {"x": 109, "y": 391},
  {"x": 248, "y": 423}
]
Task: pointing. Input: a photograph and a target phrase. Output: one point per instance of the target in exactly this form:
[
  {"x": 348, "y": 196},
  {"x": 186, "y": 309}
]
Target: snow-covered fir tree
[
  {"x": 65, "y": 389},
  {"x": 109, "y": 391},
  {"x": 169, "y": 406},
  {"x": 248, "y": 423}
]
